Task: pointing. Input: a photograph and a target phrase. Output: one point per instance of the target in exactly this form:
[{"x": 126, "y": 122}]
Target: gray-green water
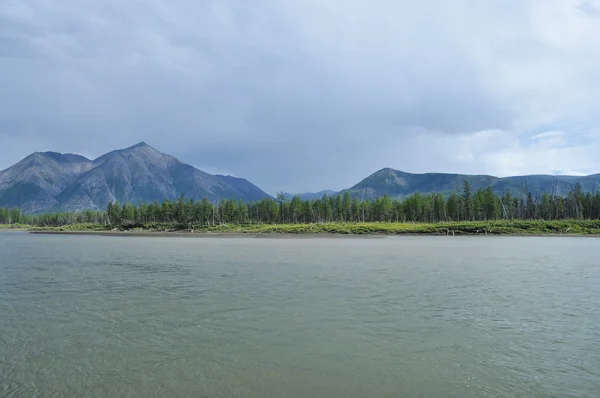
[{"x": 85, "y": 316}]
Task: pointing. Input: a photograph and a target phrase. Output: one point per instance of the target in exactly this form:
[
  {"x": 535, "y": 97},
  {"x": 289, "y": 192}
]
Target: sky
[{"x": 307, "y": 95}]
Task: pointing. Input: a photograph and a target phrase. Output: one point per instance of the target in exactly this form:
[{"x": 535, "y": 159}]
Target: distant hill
[
  {"x": 310, "y": 195},
  {"x": 398, "y": 184},
  {"x": 53, "y": 181}
]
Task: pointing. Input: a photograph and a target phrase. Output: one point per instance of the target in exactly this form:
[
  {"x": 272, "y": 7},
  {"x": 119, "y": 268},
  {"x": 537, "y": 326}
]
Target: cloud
[
  {"x": 589, "y": 8},
  {"x": 306, "y": 95},
  {"x": 505, "y": 153}
]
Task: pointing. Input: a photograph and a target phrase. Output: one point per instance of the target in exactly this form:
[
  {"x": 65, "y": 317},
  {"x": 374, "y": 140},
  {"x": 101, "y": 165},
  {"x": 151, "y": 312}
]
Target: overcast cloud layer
[{"x": 307, "y": 95}]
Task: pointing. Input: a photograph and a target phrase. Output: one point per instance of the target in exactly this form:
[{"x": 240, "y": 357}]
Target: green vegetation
[
  {"x": 73, "y": 228},
  {"x": 480, "y": 211},
  {"x": 393, "y": 228},
  {"x": 14, "y": 216},
  {"x": 499, "y": 227},
  {"x": 15, "y": 226}
]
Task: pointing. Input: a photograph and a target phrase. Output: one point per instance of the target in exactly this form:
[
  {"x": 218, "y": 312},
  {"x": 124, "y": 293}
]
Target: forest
[{"x": 468, "y": 205}]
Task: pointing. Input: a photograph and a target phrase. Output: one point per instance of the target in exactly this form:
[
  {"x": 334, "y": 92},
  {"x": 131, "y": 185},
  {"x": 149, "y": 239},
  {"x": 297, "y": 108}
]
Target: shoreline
[
  {"x": 180, "y": 234},
  {"x": 287, "y": 235},
  {"x": 573, "y": 228}
]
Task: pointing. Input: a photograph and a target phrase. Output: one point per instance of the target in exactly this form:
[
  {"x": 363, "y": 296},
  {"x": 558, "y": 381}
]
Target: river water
[{"x": 90, "y": 316}]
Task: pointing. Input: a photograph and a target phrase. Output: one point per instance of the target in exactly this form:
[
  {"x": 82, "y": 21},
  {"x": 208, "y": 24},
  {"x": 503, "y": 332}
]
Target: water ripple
[{"x": 394, "y": 317}]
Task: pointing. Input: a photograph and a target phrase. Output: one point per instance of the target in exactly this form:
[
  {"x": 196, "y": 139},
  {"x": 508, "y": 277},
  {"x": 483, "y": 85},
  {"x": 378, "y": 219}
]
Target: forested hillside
[{"x": 398, "y": 184}]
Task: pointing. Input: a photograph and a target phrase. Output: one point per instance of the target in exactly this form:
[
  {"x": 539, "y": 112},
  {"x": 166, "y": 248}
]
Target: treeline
[
  {"x": 10, "y": 216},
  {"x": 480, "y": 205},
  {"x": 468, "y": 205},
  {"x": 16, "y": 216}
]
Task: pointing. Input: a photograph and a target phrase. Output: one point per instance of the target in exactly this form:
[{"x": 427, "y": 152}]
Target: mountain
[
  {"x": 34, "y": 182},
  {"x": 49, "y": 181},
  {"x": 398, "y": 184},
  {"x": 53, "y": 181},
  {"x": 310, "y": 195}
]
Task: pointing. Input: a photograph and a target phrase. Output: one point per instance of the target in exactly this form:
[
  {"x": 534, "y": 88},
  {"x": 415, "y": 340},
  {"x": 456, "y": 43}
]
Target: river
[{"x": 300, "y": 317}]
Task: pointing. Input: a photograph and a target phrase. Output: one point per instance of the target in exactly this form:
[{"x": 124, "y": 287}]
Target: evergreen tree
[{"x": 467, "y": 200}]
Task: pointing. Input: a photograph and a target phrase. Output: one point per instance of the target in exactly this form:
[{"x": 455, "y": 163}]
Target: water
[{"x": 271, "y": 317}]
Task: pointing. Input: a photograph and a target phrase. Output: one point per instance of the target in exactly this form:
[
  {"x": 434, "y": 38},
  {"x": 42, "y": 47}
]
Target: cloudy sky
[{"x": 307, "y": 95}]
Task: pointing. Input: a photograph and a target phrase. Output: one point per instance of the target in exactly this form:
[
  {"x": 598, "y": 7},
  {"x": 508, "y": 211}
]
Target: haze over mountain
[
  {"x": 398, "y": 184},
  {"x": 52, "y": 181}
]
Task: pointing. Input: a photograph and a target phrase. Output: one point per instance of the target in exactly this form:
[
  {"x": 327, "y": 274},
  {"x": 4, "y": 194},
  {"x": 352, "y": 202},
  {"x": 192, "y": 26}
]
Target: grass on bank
[
  {"x": 501, "y": 227},
  {"x": 73, "y": 228},
  {"x": 15, "y": 226}
]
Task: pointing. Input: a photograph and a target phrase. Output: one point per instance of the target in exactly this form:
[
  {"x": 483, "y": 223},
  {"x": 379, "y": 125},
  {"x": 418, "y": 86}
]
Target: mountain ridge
[
  {"x": 46, "y": 181},
  {"x": 52, "y": 181},
  {"x": 398, "y": 184}
]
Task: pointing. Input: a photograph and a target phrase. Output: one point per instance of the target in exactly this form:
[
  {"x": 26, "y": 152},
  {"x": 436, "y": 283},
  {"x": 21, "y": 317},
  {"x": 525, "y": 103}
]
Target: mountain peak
[
  {"x": 140, "y": 144},
  {"x": 56, "y": 157},
  {"x": 388, "y": 171},
  {"x": 139, "y": 149}
]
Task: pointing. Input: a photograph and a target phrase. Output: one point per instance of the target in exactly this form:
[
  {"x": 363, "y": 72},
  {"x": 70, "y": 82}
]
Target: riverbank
[
  {"x": 521, "y": 228},
  {"x": 14, "y": 227}
]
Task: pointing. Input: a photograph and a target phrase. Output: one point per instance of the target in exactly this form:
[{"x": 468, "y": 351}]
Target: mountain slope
[
  {"x": 141, "y": 173},
  {"x": 52, "y": 181},
  {"x": 33, "y": 183},
  {"x": 398, "y": 184},
  {"x": 239, "y": 188}
]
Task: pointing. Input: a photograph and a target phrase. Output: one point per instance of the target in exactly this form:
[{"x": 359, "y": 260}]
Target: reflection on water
[{"x": 394, "y": 317}]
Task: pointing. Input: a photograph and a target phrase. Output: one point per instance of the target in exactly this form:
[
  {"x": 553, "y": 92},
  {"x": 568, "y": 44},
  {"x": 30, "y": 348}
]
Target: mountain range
[
  {"x": 398, "y": 184},
  {"x": 310, "y": 195},
  {"x": 51, "y": 181},
  {"x": 48, "y": 181}
]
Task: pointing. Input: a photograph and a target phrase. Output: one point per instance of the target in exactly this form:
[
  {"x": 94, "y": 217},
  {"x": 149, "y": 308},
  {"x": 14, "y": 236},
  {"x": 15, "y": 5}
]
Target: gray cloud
[
  {"x": 304, "y": 95},
  {"x": 589, "y": 9}
]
